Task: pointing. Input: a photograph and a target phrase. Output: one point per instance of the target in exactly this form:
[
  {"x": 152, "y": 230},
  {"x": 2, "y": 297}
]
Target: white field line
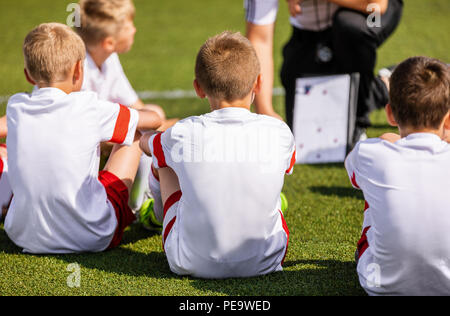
[{"x": 165, "y": 95}]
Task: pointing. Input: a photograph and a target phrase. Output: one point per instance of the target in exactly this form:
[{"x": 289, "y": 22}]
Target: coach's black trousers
[{"x": 354, "y": 45}]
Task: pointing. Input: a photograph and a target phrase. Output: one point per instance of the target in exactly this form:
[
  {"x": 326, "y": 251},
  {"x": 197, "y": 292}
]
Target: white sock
[{"x": 140, "y": 191}]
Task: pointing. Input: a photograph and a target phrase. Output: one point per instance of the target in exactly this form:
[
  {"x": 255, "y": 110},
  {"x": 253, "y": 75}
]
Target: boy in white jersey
[
  {"x": 61, "y": 203},
  {"x": 222, "y": 173},
  {"x": 107, "y": 28},
  {"x": 404, "y": 248}
]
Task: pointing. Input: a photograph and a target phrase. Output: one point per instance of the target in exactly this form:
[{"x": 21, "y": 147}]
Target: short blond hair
[
  {"x": 227, "y": 67},
  {"x": 50, "y": 51},
  {"x": 102, "y": 18}
]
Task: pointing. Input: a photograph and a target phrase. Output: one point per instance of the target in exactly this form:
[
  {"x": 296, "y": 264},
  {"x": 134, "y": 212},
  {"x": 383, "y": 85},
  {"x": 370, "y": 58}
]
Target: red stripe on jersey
[
  {"x": 355, "y": 184},
  {"x": 1, "y": 167},
  {"x": 286, "y": 230},
  {"x": 366, "y": 206},
  {"x": 122, "y": 123},
  {"x": 174, "y": 198},
  {"x": 363, "y": 244},
  {"x": 158, "y": 151},
  {"x": 292, "y": 162},
  {"x": 167, "y": 230}
]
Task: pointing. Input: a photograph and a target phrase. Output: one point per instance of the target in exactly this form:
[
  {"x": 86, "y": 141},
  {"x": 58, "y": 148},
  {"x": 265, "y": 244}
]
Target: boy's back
[
  {"x": 407, "y": 222},
  {"x": 53, "y": 142},
  {"x": 231, "y": 165}
]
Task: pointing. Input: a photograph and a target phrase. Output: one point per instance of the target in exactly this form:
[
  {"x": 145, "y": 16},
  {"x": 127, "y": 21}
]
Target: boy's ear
[
  {"x": 258, "y": 84},
  {"x": 200, "y": 93},
  {"x": 78, "y": 71},
  {"x": 109, "y": 44},
  {"x": 390, "y": 116},
  {"x": 29, "y": 79},
  {"x": 447, "y": 122}
]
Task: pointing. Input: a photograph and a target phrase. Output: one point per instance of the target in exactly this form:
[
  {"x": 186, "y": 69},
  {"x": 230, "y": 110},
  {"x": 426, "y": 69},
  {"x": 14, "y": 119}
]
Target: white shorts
[{"x": 183, "y": 263}]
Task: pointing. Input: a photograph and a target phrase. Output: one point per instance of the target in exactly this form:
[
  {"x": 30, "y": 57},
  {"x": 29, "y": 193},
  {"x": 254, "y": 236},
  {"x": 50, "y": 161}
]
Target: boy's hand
[
  {"x": 143, "y": 142},
  {"x": 390, "y": 137}
]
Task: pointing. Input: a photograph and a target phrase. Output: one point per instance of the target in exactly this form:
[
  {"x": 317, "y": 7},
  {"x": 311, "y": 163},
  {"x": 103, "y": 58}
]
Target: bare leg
[
  {"x": 169, "y": 183},
  {"x": 124, "y": 161}
]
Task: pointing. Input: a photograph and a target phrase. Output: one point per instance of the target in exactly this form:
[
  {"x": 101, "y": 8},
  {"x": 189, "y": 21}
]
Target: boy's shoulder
[
  {"x": 45, "y": 97},
  {"x": 419, "y": 146},
  {"x": 246, "y": 119}
]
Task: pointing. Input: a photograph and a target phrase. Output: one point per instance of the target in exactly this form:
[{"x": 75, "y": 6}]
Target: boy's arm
[
  {"x": 139, "y": 105},
  {"x": 351, "y": 165},
  {"x": 144, "y": 143},
  {"x": 3, "y": 127},
  {"x": 148, "y": 120},
  {"x": 362, "y": 5}
]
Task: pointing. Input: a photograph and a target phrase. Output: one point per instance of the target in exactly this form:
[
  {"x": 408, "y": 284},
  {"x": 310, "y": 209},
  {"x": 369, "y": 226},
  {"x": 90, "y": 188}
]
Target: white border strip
[{"x": 165, "y": 95}]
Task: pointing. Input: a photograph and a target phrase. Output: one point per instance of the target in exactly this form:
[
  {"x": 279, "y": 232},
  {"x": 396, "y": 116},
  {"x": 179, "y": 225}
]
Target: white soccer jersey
[
  {"x": 110, "y": 82},
  {"x": 231, "y": 166},
  {"x": 59, "y": 205},
  {"x": 315, "y": 16},
  {"x": 5, "y": 188},
  {"x": 405, "y": 244}
]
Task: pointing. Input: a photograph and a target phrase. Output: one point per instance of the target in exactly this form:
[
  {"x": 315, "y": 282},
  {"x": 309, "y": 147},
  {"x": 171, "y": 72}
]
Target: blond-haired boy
[
  {"x": 107, "y": 28},
  {"x": 405, "y": 179},
  {"x": 222, "y": 173},
  {"x": 61, "y": 203}
]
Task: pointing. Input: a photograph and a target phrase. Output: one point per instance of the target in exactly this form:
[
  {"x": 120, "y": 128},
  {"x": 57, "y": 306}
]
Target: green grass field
[{"x": 325, "y": 214}]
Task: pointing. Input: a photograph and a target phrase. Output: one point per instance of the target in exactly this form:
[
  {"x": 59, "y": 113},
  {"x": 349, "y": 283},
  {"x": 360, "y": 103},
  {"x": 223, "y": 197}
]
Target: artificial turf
[{"x": 325, "y": 213}]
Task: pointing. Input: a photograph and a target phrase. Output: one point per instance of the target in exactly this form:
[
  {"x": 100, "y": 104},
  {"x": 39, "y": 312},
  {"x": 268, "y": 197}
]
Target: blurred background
[{"x": 171, "y": 32}]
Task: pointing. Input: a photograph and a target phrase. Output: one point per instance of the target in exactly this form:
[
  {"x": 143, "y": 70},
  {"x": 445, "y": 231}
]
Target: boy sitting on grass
[
  {"x": 107, "y": 29},
  {"x": 221, "y": 173},
  {"x": 404, "y": 248},
  {"x": 61, "y": 203}
]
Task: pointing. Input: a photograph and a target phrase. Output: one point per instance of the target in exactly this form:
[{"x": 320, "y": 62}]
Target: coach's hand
[{"x": 294, "y": 7}]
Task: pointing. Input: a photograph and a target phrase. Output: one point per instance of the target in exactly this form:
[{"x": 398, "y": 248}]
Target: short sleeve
[
  {"x": 167, "y": 148},
  {"x": 351, "y": 165},
  {"x": 261, "y": 12},
  {"x": 287, "y": 146},
  {"x": 156, "y": 148},
  {"x": 292, "y": 155},
  {"x": 117, "y": 123}
]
